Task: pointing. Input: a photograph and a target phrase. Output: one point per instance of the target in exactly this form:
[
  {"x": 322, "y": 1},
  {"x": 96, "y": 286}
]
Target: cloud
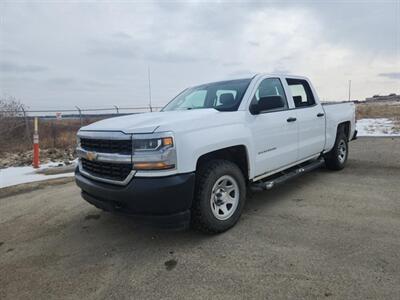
[
  {"x": 101, "y": 51},
  {"x": 121, "y": 35},
  {"x": 62, "y": 81},
  {"x": 254, "y": 44},
  {"x": 242, "y": 73},
  {"x": 171, "y": 57},
  {"x": 113, "y": 51},
  {"x": 391, "y": 75},
  {"x": 142, "y": 49},
  {"x": 76, "y": 83},
  {"x": 280, "y": 71},
  {"x": 8, "y": 51},
  {"x": 96, "y": 84},
  {"x": 16, "y": 68}
]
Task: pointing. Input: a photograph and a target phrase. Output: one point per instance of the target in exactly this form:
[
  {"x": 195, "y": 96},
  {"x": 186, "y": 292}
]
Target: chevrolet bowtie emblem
[{"x": 91, "y": 156}]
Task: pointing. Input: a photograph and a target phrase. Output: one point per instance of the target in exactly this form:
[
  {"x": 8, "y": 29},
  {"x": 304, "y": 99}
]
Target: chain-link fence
[{"x": 57, "y": 128}]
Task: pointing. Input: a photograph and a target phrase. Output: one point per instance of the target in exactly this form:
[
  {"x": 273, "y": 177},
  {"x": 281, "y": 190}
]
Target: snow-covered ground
[
  {"x": 377, "y": 127},
  {"x": 16, "y": 175}
]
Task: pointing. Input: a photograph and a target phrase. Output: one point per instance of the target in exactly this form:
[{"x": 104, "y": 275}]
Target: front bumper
[{"x": 164, "y": 201}]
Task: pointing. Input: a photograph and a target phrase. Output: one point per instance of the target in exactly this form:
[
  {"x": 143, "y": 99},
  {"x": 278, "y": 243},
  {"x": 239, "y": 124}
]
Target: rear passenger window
[{"x": 301, "y": 92}]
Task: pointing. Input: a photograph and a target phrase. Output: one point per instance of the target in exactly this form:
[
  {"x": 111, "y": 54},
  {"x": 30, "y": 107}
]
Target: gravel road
[{"x": 330, "y": 235}]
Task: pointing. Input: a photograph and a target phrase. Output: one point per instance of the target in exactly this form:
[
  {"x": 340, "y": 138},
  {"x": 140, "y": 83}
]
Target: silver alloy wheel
[
  {"x": 342, "y": 151},
  {"x": 224, "y": 197}
]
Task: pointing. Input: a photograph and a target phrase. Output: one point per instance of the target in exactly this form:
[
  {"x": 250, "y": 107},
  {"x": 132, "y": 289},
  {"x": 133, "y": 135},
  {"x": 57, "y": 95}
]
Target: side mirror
[
  {"x": 267, "y": 103},
  {"x": 254, "y": 108}
]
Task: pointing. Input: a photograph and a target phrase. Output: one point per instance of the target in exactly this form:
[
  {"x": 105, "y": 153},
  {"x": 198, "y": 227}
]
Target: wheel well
[
  {"x": 235, "y": 154},
  {"x": 345, "y": 126}
]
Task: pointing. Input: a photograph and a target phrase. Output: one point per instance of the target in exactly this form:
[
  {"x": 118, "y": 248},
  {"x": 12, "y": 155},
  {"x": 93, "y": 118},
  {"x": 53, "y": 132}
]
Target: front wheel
[
  {"x": 337, "y": 157},
  {"x": 220, "y": 196}
]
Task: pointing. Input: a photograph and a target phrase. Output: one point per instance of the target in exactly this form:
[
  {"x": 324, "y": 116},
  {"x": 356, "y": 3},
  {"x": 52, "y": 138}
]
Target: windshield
[{"x": 223, "y": 96}]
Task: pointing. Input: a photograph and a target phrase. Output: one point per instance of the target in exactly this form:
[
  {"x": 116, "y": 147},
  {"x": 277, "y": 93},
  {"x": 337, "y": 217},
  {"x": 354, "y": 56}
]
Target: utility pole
[
  {"x": 148, "y": 73},
  {"x": 349, "y": 90}
]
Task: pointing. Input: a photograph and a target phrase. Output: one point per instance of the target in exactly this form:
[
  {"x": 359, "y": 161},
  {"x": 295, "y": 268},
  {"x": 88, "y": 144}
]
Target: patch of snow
[
  {"x": 17, "y": 175},
  {"x": 377, "y": 127}
]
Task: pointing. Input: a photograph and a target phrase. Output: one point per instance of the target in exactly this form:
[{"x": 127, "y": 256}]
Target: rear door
[
  {"x": 310, "y": 118},
  {"x": 275, "y": 138}
]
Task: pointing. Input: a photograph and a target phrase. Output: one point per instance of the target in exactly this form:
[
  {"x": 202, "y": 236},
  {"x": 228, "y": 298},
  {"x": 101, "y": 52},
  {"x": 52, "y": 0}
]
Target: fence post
[
  {"x": 36, "y": 144},
  {"x": 80, "y": 114},
  {"x": 28, "y": 132},
  {"x": 116, "y": 108}
]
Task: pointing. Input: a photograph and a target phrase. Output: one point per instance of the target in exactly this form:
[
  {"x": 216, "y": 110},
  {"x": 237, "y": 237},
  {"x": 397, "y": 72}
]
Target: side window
[
  {"x": 270, "y": 95},
  {"x": 225, "y": 97},
  {"x": 301, "y": 92}
]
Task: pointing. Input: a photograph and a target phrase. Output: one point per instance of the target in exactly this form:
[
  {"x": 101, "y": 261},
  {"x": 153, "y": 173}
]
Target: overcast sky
[{"x": 96, "y": 54}]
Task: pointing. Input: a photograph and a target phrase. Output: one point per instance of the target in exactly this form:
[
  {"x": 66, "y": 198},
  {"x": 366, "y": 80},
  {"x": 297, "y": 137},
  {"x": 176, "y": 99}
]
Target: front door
[{"x": 275, "y": 131}]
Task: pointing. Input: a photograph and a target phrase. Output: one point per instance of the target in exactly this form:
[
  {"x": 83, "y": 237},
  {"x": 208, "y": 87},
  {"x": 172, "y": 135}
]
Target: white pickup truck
[{"x": 192, "y": 162}]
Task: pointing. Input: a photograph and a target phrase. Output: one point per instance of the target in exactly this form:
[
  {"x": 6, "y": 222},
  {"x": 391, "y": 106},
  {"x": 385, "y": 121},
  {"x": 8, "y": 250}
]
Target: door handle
[
  {"x": 320, "y": 115},
  {"x": 291, "y": 119}
]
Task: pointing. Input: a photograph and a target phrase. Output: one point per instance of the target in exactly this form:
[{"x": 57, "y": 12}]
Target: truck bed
[{"x": 336, "y": 113}]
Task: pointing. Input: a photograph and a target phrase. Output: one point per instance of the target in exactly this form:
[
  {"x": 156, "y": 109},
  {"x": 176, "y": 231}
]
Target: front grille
[
  {"x": 107, "y": 146},
  {"x": 111, "y": 171}
]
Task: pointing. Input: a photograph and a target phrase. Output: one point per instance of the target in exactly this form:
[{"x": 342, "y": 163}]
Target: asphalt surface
[{"x": 326, "y": 235}]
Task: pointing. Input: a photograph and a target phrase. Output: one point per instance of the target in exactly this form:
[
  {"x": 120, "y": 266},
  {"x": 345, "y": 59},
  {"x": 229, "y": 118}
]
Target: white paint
[
  {"x": 377, "y": 127},
  {"x": 200, "y": 131}
]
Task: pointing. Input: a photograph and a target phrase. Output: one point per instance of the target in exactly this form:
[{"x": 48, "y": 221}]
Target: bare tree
[{"x": 12, "y": 123}]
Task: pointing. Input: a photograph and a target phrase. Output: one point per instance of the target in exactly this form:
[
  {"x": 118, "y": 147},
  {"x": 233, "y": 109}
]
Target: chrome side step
[{"x": 291, "y": 173}]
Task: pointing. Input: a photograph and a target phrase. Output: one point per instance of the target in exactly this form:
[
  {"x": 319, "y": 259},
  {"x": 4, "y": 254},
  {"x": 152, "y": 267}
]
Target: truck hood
[{"x": 150, "y": 122}]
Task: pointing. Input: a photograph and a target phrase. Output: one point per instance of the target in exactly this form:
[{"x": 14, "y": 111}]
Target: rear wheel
[
  {"x": 220, "y": 196},
  {"x": 336, "y": 158}
]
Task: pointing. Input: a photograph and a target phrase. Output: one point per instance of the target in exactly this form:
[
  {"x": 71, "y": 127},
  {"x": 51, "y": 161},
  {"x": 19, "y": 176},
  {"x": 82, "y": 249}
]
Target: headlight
[
  {"x": 153, "y": 153},
  {"x": 152, "y": 144}
]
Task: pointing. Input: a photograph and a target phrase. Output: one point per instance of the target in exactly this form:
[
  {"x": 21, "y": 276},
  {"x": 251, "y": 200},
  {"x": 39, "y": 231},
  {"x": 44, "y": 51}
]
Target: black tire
[
  {"x": 203, "y": 209},
  {"x": 335, "y": 159}
]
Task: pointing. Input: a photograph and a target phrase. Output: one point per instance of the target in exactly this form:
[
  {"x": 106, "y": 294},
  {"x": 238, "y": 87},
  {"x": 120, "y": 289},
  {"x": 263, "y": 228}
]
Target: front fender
[{"x": 197, "y": 143}]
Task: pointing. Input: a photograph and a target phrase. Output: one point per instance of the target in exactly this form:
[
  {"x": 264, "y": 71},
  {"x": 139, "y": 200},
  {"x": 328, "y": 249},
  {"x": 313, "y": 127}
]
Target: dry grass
[
  {"x": 376, "y": 110},
  {"x": 60, "y": 134}
]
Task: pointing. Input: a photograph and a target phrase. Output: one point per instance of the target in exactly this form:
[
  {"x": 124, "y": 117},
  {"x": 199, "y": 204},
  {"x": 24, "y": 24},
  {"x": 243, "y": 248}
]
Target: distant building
[{"x": 377, "y": 98}]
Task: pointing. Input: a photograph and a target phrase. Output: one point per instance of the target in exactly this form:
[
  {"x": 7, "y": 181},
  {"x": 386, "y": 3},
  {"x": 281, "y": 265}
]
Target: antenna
[
  {"x": 349, "y": 90},
  {"x": 148, "y": 74}
]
